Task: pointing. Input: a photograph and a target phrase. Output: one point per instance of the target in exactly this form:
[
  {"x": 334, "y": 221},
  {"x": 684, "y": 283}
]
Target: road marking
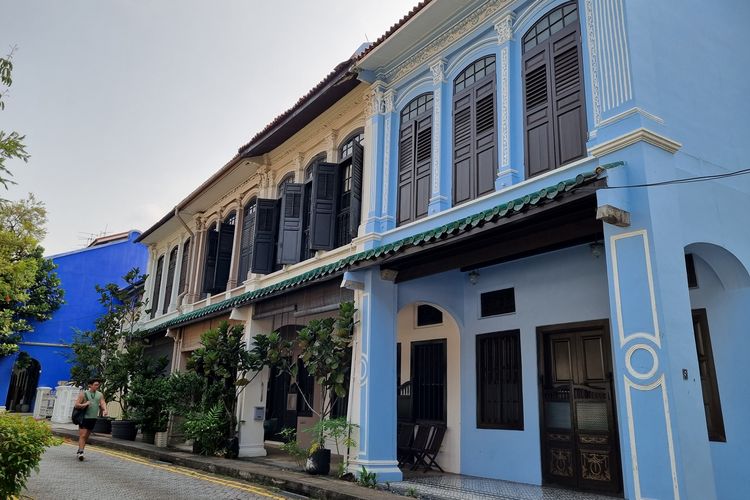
[{"x": 184, "y": 471}]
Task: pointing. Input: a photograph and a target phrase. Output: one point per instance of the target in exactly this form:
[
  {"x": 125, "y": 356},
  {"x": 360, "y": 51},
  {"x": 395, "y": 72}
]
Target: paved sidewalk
[{"x": 253, "y": 470}]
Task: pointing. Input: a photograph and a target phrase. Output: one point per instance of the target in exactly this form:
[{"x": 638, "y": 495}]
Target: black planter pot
[
  {"x": 319, "y": 462},
  {"x": 197, "y": 448},
  {"x": 124, "y": 429},
  {"x": 233, "y": 447},
  {"x": 103, "y": 425},
  {"x": 148, "y": 436}
]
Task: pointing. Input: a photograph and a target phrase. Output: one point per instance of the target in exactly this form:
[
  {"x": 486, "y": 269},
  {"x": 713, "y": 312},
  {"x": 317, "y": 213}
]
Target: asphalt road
[{"x": 107, "y": 474}]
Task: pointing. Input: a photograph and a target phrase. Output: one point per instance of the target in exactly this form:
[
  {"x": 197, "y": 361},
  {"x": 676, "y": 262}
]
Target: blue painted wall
[{"x": 79, "y": 271}]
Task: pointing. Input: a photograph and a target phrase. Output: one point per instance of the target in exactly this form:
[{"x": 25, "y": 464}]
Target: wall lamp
[{"x": 473, "y": 277}]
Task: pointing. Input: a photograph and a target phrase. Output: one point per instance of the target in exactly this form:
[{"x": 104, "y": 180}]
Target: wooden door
[
  {"x": 428, "y": 381},
  {"x": 579, "y": 438}
]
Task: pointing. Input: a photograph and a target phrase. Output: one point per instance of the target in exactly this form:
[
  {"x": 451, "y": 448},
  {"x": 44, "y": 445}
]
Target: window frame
[
  {"x": 410, "y": 118},
  {"x": 481, "y": 371},
  {"x": 718, "y": 432}
]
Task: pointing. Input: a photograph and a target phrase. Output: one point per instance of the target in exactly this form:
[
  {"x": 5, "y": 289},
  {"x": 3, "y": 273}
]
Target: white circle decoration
[
  {"x": 363, "y": 369},
  {"x": 629, "y": 361}
]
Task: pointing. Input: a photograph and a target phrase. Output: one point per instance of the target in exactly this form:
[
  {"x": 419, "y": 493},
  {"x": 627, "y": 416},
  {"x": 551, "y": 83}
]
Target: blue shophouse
[
  {"x": 554, "y": 208},
  {"x": 104, "y": 261}
]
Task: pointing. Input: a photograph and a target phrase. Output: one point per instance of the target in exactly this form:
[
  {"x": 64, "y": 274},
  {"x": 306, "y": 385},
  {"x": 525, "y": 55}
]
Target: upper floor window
[
  {"x": 171, "y": 267},
  {"x": 474, "y": 131},
  {"x": 219, "y": 242},
  {"x": 246, "y": 240},
  {"x": 349, "y": 189},
  {"x": 157, "y": 286},
  {"x": 184, "y": 266},
  {"x": 307, "y": 252},
  {"x": 348, "y": 147},
  {"x": 414, "y": 159},
  {"x": 554, "y": 112}
]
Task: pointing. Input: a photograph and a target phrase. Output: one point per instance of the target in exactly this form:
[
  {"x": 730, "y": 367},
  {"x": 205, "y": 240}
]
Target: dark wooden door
[
  {"x": 428, "y": 381},
  {"x": 579, "y": 438}
]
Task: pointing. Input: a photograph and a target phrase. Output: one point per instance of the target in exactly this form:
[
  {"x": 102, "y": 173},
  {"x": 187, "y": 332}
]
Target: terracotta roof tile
[{"x": 421, "y": 5}]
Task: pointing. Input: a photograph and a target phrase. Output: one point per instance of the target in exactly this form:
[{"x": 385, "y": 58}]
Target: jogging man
[{"x": 93, "y": 401}]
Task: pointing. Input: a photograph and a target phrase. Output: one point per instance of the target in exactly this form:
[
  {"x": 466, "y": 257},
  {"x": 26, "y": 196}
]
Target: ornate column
[
  {"x": 376, "y": 301},
  {"x": 178, "y": 274},
  {"x": 373, "y": 176},
  {"x": 150, "y": 271},
  {"x": 252, "y": 403},
  {"x": 332, "y": 152},
  {"x": 388, "y": 206},
  {"x": 506, "y": 175},
  {"x": 234, "y": 263},
  {"x": 440, "y": 189},
  {"x": 197, "y": 264}
]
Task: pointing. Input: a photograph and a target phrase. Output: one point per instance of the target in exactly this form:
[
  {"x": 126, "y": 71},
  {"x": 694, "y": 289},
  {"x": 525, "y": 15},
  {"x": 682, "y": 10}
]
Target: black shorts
[{"x": 88, "y": 423}]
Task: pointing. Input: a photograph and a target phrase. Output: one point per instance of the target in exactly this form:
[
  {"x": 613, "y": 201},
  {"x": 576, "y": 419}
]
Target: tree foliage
[
  {"x": 29, "y": 287},
  {"x": 23, "y": 441},
  {"x": 11, "y": 143}
]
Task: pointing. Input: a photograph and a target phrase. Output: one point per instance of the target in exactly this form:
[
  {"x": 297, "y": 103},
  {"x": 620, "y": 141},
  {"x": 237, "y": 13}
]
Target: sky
[{"x": 129, "y": 105}]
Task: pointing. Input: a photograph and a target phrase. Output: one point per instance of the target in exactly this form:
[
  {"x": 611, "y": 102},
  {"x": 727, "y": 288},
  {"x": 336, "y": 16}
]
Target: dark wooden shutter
[
  {"x": 485, "y": 146},
  {"x": 462, "y": 154},
  {"x": 323, "y": 206},
  {"x": 405, "y": 173},
  {"x": 499, "y": 390},
  {"x": 355, "y": 209},
  {"x": 264, "y": 239},
  {"x": 554, "y": 109},
  {"x": 184, "y": 266},
  {"x": 157, "y": 286},
  {"x": 709, "y": 383},
  {"x": 170, "y": 279},
  {"x": 422, "y": 166},
  {"x": 223, "y": 257},
  {"x": 209, "y": 270},
  {"x": 246, "y": 241},
  {"x": 290, "y": 225},
  {"x": 567, "y": 96}
]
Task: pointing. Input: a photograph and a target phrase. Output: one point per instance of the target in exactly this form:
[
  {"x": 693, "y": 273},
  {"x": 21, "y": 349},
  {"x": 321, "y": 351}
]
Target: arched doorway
[
  {"x": 428, "y": 374},
  {"x": 23, "y": 383}
]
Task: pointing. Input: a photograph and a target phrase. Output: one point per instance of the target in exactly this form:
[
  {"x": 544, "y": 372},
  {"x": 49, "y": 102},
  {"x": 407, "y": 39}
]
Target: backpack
[{"x": 79, "y": 413}]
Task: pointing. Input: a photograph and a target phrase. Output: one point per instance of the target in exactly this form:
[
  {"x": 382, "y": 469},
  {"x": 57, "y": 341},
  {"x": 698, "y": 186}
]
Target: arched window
[
  {"x": 287, "y": 179},
  {"x": 246, "y": 244},
  {"x": 474, "y": 131},
  {"x": 554, "y": 110},
  {"x": 347, "y": 147},
  {"x": 171, "y": 266},
  {"x": 306, "y": 200},
  {"x": 184, "y": 266},
  {"x": 157, "y": 286},
  {"x": 351, "y": 157},
  {"x": 320, "y": 157},
  {"x": 414, "y": 159},
  {"x": 220, "y": 239}
]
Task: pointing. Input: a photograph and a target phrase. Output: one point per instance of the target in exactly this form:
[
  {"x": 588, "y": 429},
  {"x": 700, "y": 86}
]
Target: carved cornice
[
  {"x": 641, "y": 134},
  {"x": 439, "y": 44},
  {"x": 504, "y": 28},
  {"x": 374, "y": 103},
  {"x": 438, "y": 71},
  {"x": 389, "y": 96}
]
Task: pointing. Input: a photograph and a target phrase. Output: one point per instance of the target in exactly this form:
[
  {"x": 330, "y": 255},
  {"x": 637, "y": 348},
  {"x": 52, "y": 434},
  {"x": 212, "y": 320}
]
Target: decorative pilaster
[
  {"x": 373, "y": 174},
  {"x": 234, "y": 263},
  {"x": 387, "y": 220},
  {"x": 197, "y": 264},
  {"x": 439, "y": 190},
  {"x": 332, "y": 153},
  {"x": 506, "y": 175},
  {"x": 252, "y": 405}
]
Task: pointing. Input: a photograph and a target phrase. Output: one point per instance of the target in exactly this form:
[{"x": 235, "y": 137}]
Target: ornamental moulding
[
  {"x": 504, "y": 29},
  {"x": 439, "y": 44}
]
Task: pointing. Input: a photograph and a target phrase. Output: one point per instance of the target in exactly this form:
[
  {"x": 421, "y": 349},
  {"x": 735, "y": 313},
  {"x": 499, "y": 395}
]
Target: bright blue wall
[{"x": 79, "y": 272}]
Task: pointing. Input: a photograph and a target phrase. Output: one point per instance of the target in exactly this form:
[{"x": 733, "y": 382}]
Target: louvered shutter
[
  {"x": 170, "y": 279},
  {"x": 567, "y": 95},
  {"x": 462, "y": 150},
  {"x": 323, "y": 204},
  {"x": 355, "y": 208},
  {"x": 223, "y": 257},
  {"x": 405, "y": 173},
  {"x": 246, "y": 241},
  {"x": 290, "y": 225},
  {"x": 157, "y": 286},
  {"x": 184, "y": 266},
  {"x": 209, "y": 272},
  {"x": 264, "y": 239},
  {"x": 422, "y": 165},
  {"x": 539, "y": 148},
  {"x": 485, "y": 149}
]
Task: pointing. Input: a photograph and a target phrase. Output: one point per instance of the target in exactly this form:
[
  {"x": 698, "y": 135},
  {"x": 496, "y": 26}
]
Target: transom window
[
  {"x": 549, "y": 25},
  {"x": 416, "y": 107},
  {"x": 348, "y": 147},
  {"x": 474, "y": 73}
]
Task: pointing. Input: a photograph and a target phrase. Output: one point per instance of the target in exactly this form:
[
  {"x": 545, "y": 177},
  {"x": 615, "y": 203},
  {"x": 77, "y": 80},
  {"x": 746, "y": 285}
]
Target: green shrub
[
  {"x": 22, "y": 443},
  {"x": 207, "y": 429}
]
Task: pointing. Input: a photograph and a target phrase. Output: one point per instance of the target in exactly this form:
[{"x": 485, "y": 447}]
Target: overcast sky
[{"x": 128, "y": 105}]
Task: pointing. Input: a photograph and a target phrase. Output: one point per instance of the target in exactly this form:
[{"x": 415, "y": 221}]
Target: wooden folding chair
[
  {"x": 404, "y": 441},
  {"x": 427, "y": 458}
]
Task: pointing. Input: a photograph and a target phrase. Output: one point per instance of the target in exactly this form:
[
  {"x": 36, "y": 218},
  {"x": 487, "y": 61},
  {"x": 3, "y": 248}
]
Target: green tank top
[{"x": 92, "y": 410}]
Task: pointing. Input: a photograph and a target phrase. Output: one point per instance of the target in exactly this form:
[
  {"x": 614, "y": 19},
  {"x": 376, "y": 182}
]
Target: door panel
[{"x": 579, "y": 432}]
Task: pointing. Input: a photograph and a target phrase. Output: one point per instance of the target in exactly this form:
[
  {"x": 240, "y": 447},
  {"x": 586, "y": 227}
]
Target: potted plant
[
  {"x": 147, "y": 397},
  {"x": 326, "y": 352}
]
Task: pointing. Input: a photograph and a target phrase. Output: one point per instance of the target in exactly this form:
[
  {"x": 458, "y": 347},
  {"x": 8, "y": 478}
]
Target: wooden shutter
[
  {"x": 405, "y": 173},
  {"x": 707, "y": 372},
  {"x": 209, "y": 271},
  {"x": 157, "y": 286},
  {"x": 499, "y": 390},
  {"x": 184, "y": 266},
  {"x": 170, "y": 279},
  {"x": 323, "y": 201},
  {"x": 264, "y": 239},
  {"x": 223, "y": 257},
  {"x": 246, "y": 240},
  {"x": 290, "y": 225},
  {"x": 355, "y": 209},
  {"x": 554, "y": 110},
  {"x": 462, "y": 154},
  {"x": 485, "y": 139},
  {"x": 567, "y": 95},
  {"x": 422, "y": 165}
]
